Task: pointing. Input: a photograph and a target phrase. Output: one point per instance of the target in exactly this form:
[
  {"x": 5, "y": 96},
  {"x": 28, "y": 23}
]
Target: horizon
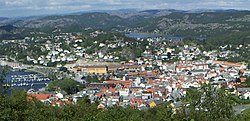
[
  {"x": 118, "y": 10},
  {"x": 26, "y": 8}
]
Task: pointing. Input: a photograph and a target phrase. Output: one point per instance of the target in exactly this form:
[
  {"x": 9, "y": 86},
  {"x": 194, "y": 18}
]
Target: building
[
  {"x": 124, "y": 92},
  {"x": 92, "y": 69}
]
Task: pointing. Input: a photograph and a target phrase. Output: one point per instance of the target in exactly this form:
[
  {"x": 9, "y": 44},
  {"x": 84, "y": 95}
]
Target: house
[
  {"x": 211, "y": 74},
  {"x": 201, "y": 66},
  {"x": 151, "y": 104},
  {"x": 197, "y": 72},
  {"x": 146, "y": 95},
  {"x": 101, "y": 106},
  {"x": 99, "y": 95},
  {"x": 135, "y": 102},
  {"x": 245, "y": 96},
  {"x": 154, "y": 103},
  {"x": 124, "y": 92},
  {"x": 115, "y": 98},
  {"x": 181, "y": 68},
  {"x": 126, "y": 100},
  {"x": 136, "y": 89},
  {"x": 241, "y": 91},
  {"x": 40, "y": 97},
  {"x": 59, "y": 95},
  {"x": 63, "y": 102},
  {"x": 165, "y": 55}
]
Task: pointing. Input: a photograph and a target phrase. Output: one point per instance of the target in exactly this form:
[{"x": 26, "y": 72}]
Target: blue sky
[{"x": 14, "y": 8}]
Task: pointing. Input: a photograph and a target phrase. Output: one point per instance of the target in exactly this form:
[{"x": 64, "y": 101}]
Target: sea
[{"x": 143, "y": 36}]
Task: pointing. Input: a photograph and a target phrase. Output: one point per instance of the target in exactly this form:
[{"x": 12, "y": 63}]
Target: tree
[
  {"x": 64, "y": 69},
  {"x": 91, "y": 79},
  {"x": 247, "y": 82},
  {"x": 160, "y": 113},
  {"x": 85, "y": 110},
  {"x": 207, "y": 103},
  {"x": 120, "y": 114},
  {"x": 245, "y": 116},
  {"x": 68, "y": 85},
  {"x": 3, "y": 71},
  {"x": 14, "y": 107}
]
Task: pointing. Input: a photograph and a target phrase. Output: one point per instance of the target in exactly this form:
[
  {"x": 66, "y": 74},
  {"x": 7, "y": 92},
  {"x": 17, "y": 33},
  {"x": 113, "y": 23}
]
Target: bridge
[{"x": 42, "y": 70}]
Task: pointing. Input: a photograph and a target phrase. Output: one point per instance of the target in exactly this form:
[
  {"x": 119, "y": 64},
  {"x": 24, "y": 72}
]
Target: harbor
[{"x": 25, "y": 81}]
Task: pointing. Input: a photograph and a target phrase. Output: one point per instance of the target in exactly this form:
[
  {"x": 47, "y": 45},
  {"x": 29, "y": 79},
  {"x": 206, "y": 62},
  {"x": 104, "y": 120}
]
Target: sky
[{"x": 19, "y": 8}]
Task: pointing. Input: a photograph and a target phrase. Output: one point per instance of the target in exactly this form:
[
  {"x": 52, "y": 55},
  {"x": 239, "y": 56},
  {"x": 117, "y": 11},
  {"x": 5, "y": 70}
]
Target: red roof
[
  {"x": 151, "y": 90},
  {"x": 109, "y": 90},
  {"x": 41, "y": 96},
  {"x": 99, "y": 95}
]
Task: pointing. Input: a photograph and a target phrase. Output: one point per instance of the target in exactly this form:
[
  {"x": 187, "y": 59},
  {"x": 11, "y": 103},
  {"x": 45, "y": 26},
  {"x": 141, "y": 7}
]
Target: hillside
[
  {"x": 217, "y": 24},
  {"x": 3, "y": 18}
]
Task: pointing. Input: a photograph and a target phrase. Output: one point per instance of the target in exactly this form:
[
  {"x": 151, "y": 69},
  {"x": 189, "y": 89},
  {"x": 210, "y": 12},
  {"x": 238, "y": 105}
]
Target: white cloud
[
  {"x": 18, "y": 3},
  {"x": 8, "y": 7}
]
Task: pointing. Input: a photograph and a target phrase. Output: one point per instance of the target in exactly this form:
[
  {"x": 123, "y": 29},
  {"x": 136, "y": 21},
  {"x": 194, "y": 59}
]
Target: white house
[{"x": 124, "y": 92}]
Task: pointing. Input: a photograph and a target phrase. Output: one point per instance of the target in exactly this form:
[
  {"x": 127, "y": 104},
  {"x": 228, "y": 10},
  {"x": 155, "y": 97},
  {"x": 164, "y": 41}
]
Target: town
[
  {"x": 124, "y": 60},
  {"x": 148, "y": 72}
]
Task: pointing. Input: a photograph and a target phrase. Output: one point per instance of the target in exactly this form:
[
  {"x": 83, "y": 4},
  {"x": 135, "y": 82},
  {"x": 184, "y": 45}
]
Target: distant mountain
[
  {"x": 3, "y": 18},
  {"x": 211, "y": 10},
  {"x": 72, "y": 22},
  {"x": 11, "y": 32},
  {"x": 8, "y": 28},
  {"x": 199, "y": 23},
  {"x": 145, "y": 13}
]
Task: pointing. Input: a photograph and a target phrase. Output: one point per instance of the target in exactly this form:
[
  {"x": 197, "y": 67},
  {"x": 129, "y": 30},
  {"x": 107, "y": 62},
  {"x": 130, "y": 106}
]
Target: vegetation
[
  {"x": 247, "y": 82},
  {"x": 3, "y": 71},
  {"x": 204, "y": 104},
  {"x": 68, "y": 85},
  {"x": 244, "y": 116},
  {"x": 31, "y": 50},
  {"x": 90, "y": 79},
  {"x": 132, "y": 50},
  {"x": 207, "y": 103},
  {"x": 238, "y": 101}
]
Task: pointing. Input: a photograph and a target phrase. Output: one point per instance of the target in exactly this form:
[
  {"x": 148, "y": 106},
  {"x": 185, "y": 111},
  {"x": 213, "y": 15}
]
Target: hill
[
  {"x": 3, "y": 18},
  {"x": 212, "y": 24}
]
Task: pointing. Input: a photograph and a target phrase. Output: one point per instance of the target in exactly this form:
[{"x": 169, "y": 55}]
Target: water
[
  {"x": 25, "y": 81},
  {"x": 142, "y": 36}
]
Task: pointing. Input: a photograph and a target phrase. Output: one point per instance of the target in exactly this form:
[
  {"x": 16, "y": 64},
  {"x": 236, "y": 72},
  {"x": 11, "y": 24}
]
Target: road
[{"x": 238, "y": 109}]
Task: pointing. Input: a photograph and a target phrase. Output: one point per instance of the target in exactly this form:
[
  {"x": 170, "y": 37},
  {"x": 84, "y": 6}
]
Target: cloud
[
  {"x": 31, "y": 7},
  {"x": 17, "y": 3}
]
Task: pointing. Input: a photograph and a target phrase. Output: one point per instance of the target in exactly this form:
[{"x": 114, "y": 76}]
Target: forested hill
[{"x": 210, "y": 24}]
